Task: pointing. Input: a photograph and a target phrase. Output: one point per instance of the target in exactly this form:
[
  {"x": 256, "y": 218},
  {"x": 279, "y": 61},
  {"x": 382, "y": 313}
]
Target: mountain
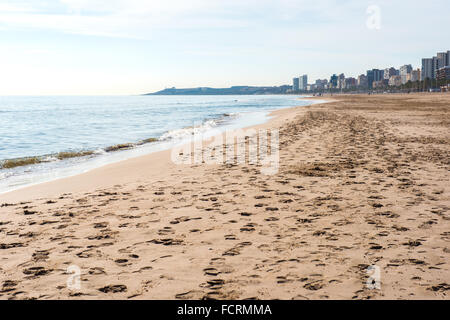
[{"x": 236, "y": 90}]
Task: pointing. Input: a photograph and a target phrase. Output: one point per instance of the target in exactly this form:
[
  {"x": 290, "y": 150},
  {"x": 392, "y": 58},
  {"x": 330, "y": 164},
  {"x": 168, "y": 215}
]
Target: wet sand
[{"x": 363, "y": 181}]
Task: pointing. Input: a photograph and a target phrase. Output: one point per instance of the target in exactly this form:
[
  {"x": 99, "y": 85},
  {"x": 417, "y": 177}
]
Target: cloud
[
  {"x": 139, "y": 18},
  {"x": 116, "y": 18}
]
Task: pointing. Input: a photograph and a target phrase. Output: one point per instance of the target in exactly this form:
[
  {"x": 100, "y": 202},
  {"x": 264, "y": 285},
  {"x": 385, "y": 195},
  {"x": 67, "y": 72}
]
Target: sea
[{"x": 45, "y": 127}]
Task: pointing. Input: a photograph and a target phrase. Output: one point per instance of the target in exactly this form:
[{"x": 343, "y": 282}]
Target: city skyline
[
  {"x": 432, "y": 69},
  {"x": 133, "y": 47}
]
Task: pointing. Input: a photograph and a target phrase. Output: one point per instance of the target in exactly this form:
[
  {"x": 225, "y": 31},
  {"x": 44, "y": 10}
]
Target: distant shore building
[
  {"x": 341, "y": 81},
  {"x": 295, "y": 84},
  {"x": 374, "y": 75},
  {"x": 389, "y": 72},
  {"x": 408, "y": 77},
  {"x": 404, "y": 71},
  {"x": 321, "y": 84},
  {"x": 333, "y": 81},
  {"x": 303, "y": 82},
  {"x": 441, "y": 60},
  {"x": 427, "y": 68},
  {"x": 430, "y": 66},
  {"x": 369, "y": 78},
  {"x": 379, "y": 84},
  {"x": 415, "y": 75},
  {"x": 362, "y": 81},
  {"x": 395, "y": 81},
  {"x": 378, "y": 75},
  {"x": 443, "y": 73},
  {"x": 350, "y": 83}
]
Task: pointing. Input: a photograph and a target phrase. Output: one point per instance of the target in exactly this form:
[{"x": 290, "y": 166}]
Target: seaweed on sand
[
  {"x": 12, "y": 163},
  {"x": 68, "y": 155}
]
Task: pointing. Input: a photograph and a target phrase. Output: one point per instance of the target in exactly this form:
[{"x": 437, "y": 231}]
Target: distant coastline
[{"x": 235, "y": 90}]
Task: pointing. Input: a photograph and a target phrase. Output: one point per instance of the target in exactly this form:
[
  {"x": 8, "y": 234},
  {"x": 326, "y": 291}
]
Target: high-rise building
[
  {"x": 404, "y": 71},
  {"x": 378, "y": 75},
  {"x": 443, "y": 73},
  {"x": 415, "y": 75},
  {"x": 362, "y": 81},
  {"x": 333, "y": 81},
  {"x": 369, "y": 78},
  {"x": 341, "y": 81},
  {"x": 448, "y": 58},
  {"x": 427, "y": 69},
  {"x": 439, "y": 62},
  {"x": 303, "y": 82},
  {"x": 295, "y": 84},
  {"x": 435, "y": 66},
  {"x": 349, "y": 83},
  {"x": 321, "y": 84},
  {"x": 389, "y": 72},
  {"x": 374, "y": 75},
  {"x": 442, "y": 60}
]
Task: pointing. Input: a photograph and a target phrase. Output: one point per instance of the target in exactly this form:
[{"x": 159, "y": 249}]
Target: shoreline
[{"x": 31, "y": 191}]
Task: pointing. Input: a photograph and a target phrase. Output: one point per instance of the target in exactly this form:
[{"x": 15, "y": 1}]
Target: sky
[{"x": 121, "y": 47}]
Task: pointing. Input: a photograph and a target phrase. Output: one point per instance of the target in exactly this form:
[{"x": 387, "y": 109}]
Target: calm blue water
[{"x": 37, "y": 126}]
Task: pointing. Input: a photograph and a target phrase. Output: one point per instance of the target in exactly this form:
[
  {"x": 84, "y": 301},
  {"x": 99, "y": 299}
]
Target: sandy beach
[{"x": 363, "y": 181}]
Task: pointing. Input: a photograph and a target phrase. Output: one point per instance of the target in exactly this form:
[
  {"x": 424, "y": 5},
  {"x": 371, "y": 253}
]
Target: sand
[{"x": 363, "y": 181}]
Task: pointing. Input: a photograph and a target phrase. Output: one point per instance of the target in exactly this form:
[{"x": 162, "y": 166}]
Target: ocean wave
[
  {"x": 183, "y": 133},
  {"x": 177, "y": 134}
]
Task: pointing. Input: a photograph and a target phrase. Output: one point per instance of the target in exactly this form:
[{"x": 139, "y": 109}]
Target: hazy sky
[{"x": 137, "y": 46}]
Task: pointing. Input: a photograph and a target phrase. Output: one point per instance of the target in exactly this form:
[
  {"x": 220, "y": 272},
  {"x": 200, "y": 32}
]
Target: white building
[
  {"x": 404, "y": 71},
  {"x": 303, "y": 82}
]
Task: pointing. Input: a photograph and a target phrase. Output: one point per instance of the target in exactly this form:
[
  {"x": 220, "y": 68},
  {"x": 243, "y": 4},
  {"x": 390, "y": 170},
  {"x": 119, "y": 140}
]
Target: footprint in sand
[
  {"x": 113, "y": 288},
  {"x": 211, "y": 271},
  {"x": 37, "y": 271},
  {"x": 122, "y": 262},
  {"x": 9, "y": 285}
]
